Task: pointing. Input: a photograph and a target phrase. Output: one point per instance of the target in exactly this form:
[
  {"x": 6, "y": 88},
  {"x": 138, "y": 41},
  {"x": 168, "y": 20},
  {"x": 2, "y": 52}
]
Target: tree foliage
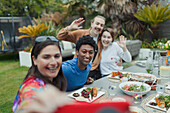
[
  {"x": 33, "y": 8},
  {"x": 153, "y": 14},
  {"x": 80, "y": 7}
]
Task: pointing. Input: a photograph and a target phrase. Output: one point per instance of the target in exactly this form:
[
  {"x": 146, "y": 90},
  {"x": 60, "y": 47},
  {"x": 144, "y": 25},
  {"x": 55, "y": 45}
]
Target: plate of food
[
  {"x": 132, "y": 87},
  {"x": 118, "y": 75},
  {"x": 160, "y": 102},
  {"x": 88, "y": 94},
  {"x": 142, "y": 77}
]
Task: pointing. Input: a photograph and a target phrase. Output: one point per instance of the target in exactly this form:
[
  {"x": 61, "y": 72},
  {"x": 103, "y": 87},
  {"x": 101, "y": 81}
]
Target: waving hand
[
  {"x": 75, "y": 24},
  {"x": 122, "y": 42}
]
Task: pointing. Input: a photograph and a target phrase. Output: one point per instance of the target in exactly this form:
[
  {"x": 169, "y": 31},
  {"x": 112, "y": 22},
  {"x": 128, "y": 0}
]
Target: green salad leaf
[
  {"x": 135, "y": 88},
  {"x": 165, "y": 99}
]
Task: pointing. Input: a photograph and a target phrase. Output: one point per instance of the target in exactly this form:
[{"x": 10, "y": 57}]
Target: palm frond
[
  {"x": 153, "y": 14},
  {"x": 23, "y": 36}
]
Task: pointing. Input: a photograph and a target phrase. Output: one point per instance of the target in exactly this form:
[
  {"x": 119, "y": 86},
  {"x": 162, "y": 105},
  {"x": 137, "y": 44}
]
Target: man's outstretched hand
[{"x": 75, "y": 24}]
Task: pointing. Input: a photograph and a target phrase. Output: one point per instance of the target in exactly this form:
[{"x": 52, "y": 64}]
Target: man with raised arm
[{"x": 97, "y": 25}]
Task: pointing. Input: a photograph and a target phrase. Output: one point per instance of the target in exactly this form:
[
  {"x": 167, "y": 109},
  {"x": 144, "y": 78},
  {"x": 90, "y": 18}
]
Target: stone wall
[
  {"x": 134, "y": 47},
  {"x": 164, "y": 30}
]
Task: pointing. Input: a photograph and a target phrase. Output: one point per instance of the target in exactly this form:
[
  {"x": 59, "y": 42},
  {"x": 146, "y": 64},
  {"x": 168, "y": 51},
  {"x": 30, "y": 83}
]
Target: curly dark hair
[{"x": 86, "y": 40}]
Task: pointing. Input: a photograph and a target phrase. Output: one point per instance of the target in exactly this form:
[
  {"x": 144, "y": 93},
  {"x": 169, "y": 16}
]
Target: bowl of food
[{"x": 132, "y": 87}]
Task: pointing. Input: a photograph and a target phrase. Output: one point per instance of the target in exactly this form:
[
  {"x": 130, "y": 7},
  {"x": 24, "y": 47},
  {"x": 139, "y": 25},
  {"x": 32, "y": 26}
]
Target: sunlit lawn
[{"x": 11, "y": 76}]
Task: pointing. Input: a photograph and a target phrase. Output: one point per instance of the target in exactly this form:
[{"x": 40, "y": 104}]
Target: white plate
[
  {"x": 156, "y": 107},
  {"x": 80, "y": 98},
  {"x": 141, "y": 63},
  {"x": 148, "y": 88}
]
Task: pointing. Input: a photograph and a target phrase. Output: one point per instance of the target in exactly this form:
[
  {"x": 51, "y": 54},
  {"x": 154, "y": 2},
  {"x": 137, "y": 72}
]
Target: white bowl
[{"x": 148, "y": 87}]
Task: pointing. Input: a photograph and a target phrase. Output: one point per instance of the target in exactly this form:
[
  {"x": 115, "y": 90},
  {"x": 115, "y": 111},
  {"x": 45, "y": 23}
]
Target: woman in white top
[{"x": 112, "y": 53}]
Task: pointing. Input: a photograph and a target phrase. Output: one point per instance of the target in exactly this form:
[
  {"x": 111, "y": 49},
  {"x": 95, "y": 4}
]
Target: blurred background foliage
[
  {"x": 154, "y": 44},
  {"x": 119, "y": 13}
]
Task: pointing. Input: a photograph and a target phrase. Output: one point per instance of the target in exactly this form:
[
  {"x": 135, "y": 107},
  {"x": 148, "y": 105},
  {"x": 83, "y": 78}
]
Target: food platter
[
  {"x": 152, "y": 104},
  {"x": 143, "y": 77},
  {"x": 89, "y": 99}
]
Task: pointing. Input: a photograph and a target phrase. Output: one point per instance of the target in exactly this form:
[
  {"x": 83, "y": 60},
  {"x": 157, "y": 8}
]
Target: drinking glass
[
  {"x": 138, "y": 97},
  {"x": 156, "y": 58},
  {"x": 164, "y": 69},
  {"x": 149, "y": 63},
  {"x": 112, "y": 90},
  {"x": 160, "y": 88},
  {"x": 149, "y": 68}
]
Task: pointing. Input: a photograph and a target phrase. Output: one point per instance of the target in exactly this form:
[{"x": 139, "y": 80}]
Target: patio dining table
[{"x": 105, "y": 83}]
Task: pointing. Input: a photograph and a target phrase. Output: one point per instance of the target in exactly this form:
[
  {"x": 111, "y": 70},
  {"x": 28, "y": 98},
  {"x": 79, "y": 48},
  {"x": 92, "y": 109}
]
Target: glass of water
[
  {"x": 112, "y": 90},
  {"x": 164, "y": 69},
  {"x": 160, "y": 88}
]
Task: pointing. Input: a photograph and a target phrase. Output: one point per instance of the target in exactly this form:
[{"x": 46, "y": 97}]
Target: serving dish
[
  {"x": 143, "y": 77},
  {"x": 132, "y": 92},
  {"x": 81, "y": 98}
]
